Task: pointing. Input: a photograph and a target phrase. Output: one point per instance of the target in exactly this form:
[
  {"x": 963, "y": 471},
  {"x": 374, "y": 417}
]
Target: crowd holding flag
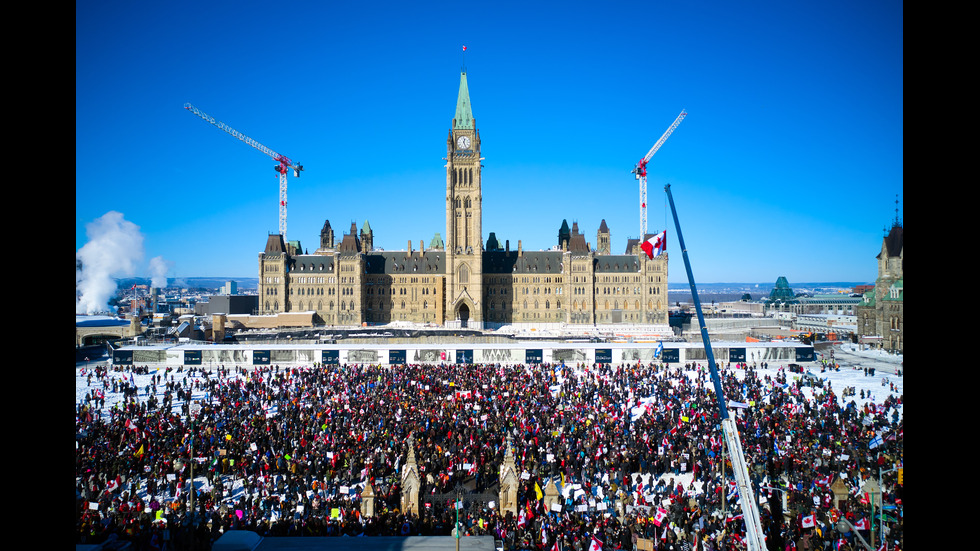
[{"x": 274, "y": 430}]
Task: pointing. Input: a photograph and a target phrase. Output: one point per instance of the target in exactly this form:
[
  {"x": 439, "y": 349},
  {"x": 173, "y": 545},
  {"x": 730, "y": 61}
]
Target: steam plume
[
  {"x": 158, "y": 271},
  {"x": 114, "y": 249}
]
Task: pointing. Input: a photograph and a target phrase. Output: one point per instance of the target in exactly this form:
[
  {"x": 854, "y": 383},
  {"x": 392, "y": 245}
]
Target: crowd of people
[{"x": 635, "y": 452}]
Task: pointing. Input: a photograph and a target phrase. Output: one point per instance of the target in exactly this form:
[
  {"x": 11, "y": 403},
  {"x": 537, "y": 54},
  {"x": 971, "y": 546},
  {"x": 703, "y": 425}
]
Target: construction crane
[
  {"x": 641, "y": 172},
  {"x": 282, "y": 168},
  {"x": 755, "y": 537}
]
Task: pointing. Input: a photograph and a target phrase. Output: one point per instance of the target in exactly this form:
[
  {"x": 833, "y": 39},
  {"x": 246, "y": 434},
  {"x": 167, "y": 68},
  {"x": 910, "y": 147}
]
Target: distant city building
[
  {"x": 861, "y": 289},
  {"x": 881, "y": 314},
  {"x": 831, "y": 304},
  {"x": 227, "y": 304},
  {"x": 781, "y": 297},
  {"x": 229, "y": 288},
  {"x": 457, "y": 281}
]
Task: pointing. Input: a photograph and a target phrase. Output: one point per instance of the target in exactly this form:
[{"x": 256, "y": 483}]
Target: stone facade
[
  {"x": 459, "y": 281},
  {"x": 411, "y": 483},
  {"x": 509, "y": 482},
  {"x": 881, "y": 314}
]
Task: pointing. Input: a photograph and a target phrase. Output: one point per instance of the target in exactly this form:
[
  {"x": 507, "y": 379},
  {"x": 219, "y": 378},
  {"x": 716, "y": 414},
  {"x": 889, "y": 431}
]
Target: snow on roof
[{"x": 99, "y": 321}]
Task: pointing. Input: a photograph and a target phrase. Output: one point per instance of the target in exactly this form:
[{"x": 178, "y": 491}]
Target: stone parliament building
[
  {"x": 462, "y": 281},
  {"x": 881, "y": 313}
]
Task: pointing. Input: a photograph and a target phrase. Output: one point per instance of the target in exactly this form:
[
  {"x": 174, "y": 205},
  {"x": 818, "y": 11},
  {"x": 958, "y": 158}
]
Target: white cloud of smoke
[
  {"x": 158, "y": 271},
  {"x": 114, "y": 249}
]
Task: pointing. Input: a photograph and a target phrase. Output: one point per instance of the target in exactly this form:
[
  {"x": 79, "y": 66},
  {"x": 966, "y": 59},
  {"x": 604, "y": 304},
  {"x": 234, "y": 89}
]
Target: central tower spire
[
  {"x": 464, "y": 215},
  {"x": 464, "y": 112}
]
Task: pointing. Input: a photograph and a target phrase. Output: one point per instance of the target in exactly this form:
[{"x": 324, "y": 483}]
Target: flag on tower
[{"x": 656, "y": 245}]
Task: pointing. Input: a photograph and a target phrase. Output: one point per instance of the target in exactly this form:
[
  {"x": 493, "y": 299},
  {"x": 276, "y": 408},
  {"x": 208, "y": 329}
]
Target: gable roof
[{"x": 894, "y": 241}]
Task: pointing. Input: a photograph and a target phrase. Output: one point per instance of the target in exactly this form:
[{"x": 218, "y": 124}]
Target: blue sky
[{"x": 788, "y": 163}]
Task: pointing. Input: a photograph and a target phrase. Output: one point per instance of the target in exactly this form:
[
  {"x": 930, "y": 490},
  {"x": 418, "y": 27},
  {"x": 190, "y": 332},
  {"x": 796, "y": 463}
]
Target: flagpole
[{"x": 871, "y": 517}]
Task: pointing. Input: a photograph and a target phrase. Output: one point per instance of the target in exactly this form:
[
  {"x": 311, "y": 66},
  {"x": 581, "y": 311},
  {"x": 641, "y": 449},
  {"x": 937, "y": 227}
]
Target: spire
[
  {"x": 464, "y": 112},
  {"x": 898, "y": 220}
]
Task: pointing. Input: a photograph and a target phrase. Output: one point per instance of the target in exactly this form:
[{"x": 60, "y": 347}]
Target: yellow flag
[
  {"x": 537, "y": 491},
  {"x": 139, "y": 452}
]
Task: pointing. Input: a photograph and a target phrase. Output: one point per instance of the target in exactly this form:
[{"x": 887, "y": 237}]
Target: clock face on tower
[{"x": 463, "y": 142}]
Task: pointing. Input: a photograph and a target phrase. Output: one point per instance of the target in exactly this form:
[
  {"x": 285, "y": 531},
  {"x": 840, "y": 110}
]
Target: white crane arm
[
  {"x": 641, "y": 167},
  {"x": 282, "y": 159}
]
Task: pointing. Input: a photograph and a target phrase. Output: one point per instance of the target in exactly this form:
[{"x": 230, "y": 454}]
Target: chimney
[
  {"x": 507, "y": 245},
  {"x": 520, "y": 251}
]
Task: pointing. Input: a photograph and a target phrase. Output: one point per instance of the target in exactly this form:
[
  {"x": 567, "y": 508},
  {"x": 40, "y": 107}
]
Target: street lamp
[
  {"x": 874, "y": 492},
  {"x": 456, "y": 505}
]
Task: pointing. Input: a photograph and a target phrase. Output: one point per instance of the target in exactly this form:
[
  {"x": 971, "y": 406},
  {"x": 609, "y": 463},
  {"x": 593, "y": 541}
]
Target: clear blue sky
[{"x": 788, "y": 163}]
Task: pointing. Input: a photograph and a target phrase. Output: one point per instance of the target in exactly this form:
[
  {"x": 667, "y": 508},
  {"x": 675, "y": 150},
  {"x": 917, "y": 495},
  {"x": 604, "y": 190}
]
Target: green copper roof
[
  {"x": 782, "y": 292},
  {"x": 366, "y": 228},
  {"x": 464, "y": 112},
  {"x": 436, "y": 242}
]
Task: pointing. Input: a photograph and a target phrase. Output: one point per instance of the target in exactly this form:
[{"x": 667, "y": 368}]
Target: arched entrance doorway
[{"x": 463, "y": 314}]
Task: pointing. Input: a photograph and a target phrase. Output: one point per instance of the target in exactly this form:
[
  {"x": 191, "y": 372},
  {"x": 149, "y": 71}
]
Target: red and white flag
[
  {"x": 596, "y": 545},
  {"x": 656, "y": 245},
  {"x": 807, "y": 521},
  {"x": 660, "y": 516}
]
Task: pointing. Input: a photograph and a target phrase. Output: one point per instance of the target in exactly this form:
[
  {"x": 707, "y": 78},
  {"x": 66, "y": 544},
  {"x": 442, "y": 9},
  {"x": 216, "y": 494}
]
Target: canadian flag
[
  {"x": 655, "y": 245},
  {"x": 596, "y": 545},
  {"x": 660, "y": 516},
  {"x": 808, "y": 521},
  {"x": 861, "y": 524}
]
